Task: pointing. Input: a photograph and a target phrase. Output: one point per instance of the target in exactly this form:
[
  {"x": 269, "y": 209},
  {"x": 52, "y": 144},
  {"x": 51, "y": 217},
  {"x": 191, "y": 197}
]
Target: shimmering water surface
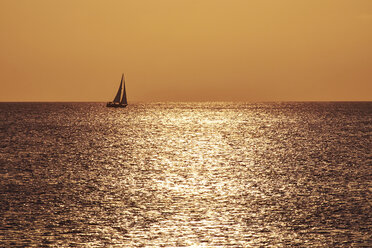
[{"x": 186, "y": 174}]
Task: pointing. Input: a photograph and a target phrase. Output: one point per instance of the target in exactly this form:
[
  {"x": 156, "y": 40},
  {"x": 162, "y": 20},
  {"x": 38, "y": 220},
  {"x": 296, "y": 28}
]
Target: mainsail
[
  {"x": 124, "y": 99},
  {"x": 118, "y": 95}
]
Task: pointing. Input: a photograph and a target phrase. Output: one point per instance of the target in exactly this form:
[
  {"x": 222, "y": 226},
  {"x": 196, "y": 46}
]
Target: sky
[{"x": 186, "y": 50}]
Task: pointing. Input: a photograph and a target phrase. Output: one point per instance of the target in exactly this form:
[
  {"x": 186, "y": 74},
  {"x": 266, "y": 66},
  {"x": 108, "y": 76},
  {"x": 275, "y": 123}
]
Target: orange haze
[{"x": 186, "y": 50}]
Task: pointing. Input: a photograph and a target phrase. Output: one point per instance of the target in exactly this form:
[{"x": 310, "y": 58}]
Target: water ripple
[{"x": 186, "y": 175}]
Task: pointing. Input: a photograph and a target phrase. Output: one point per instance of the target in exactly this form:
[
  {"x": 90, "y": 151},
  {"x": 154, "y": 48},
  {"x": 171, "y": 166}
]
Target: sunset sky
[{"x": 186, "y": 50}]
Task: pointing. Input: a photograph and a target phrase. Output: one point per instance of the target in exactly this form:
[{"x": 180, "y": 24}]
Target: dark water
[{"x": 186, "y": 174}]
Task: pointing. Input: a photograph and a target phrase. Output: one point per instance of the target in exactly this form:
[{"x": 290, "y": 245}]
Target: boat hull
[{"x": 115, "y": 105}]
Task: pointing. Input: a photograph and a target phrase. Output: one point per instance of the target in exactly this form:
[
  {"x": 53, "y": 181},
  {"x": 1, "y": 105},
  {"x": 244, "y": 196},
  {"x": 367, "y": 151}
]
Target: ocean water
[{"x": 186, "y": 175}]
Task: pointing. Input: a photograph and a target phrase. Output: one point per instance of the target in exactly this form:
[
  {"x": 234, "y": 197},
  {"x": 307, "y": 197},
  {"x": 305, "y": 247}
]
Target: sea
[{"x": 208, "y": 174}]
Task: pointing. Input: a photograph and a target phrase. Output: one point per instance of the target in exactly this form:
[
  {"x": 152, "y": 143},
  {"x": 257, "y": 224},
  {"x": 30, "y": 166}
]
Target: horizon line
[{"x": 202, "y": 101}]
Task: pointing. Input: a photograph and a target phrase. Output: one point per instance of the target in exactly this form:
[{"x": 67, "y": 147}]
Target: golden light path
[{"x": 203, "y": 181}]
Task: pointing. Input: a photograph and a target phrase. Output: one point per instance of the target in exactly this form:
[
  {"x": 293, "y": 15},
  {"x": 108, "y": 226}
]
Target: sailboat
[{"x": 119, "y": 100}]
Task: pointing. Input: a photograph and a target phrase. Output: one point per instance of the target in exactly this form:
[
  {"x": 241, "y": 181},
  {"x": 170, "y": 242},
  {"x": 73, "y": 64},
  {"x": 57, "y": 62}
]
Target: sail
[
  {"x": 118, "y": 95},
  {"x": 124, "y": 99}
]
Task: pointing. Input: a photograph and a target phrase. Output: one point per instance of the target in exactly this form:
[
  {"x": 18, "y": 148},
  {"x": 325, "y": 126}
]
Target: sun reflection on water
[{"x": 186, "y": 175}]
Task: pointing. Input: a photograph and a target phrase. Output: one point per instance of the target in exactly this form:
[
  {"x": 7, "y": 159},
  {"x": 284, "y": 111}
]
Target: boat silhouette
[{"x": 120, "y": 100}]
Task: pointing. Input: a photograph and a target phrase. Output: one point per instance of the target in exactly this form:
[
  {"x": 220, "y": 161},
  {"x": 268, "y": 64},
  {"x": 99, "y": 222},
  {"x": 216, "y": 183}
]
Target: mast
[
  {"x": 124, "y": 99},
  {"x": 118, "y": 95}
]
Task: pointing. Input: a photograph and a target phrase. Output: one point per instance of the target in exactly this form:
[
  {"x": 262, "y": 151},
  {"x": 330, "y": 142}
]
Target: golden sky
[{"x": 186, "y": 50}]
